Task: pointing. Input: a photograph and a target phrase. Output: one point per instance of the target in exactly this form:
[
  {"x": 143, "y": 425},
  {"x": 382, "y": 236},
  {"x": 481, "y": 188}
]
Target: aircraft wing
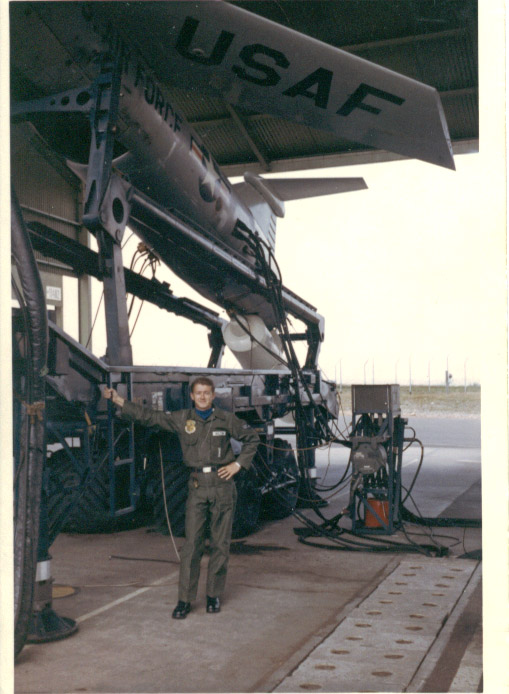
[{"x": 266, "y": 67}]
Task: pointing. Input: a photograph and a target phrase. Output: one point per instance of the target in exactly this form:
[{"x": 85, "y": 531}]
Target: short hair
[{"x": 203, "y": 381}]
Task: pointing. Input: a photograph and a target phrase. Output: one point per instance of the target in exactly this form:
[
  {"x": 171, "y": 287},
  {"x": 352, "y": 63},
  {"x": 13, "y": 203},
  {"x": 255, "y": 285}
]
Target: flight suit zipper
[{"x": 207, "y": 436}]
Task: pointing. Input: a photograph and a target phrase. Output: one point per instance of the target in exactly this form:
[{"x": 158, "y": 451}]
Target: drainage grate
[{"x": 388, "y": 634}]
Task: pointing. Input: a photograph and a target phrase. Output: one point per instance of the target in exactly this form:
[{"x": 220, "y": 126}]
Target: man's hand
[
  {"x": 111, "y": 394},
  {"x": 226, "y": 472}
]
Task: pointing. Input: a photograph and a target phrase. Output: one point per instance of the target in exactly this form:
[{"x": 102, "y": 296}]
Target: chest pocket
[
  {"x": 219, "y": 443},
  {"x": 190, "y": 434}
]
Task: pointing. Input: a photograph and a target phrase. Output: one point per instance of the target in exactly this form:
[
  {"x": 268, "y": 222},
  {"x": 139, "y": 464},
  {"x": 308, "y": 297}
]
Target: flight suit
[{"x": 205, "y": 443}]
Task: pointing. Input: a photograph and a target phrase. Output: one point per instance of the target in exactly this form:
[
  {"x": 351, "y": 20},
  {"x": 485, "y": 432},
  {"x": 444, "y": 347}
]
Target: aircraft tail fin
[
  {"x": 275, "y": 191},
  {"x": 299, "y": 188},
  {"x": 266, "y": 197}
]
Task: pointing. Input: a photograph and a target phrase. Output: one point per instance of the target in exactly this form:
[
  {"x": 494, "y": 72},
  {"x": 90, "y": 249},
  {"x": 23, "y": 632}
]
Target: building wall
[{"x": 50, "y": 193}]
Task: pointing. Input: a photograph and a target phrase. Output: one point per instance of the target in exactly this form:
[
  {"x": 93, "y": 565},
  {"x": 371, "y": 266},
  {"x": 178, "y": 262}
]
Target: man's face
[{"x": 202, "y": 396}]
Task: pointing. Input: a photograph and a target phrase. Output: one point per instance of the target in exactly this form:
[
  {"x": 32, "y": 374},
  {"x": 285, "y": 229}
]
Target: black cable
[
  {"x": 136, "y": 320},
  {"x": 162, "y": 561},
  {"x": 445, "y": 522},
  {"x": 293, "y": 364},
  {"x": 375, "y": 543},
  {"x": 409, "y": 491},
  {"x": 95, "y": 318},
  {"x": 274, "y": 286},
  {"x": 421, "y": 549},
  {"x": 430, "y": 534},
  {"x": 337, "y": 484}
]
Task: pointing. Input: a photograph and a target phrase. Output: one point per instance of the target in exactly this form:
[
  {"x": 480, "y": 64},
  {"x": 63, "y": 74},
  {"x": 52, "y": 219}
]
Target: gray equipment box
[{"x": 376, "y": 399}]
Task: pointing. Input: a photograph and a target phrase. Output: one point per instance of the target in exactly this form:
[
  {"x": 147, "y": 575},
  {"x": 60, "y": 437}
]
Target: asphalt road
[{"x": 447, "y": 431}]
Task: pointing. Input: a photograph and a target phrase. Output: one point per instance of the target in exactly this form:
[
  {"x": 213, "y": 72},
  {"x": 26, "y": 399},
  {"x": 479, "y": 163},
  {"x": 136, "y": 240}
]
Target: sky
[{"x": 396, "y": 270}]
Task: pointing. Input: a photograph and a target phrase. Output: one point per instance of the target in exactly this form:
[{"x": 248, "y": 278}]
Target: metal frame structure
[{"x": 377, "y": 455}]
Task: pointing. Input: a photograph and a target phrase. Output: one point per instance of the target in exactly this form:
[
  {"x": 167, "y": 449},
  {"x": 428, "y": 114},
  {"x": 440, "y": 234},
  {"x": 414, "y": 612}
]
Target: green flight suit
[{"x": 204, "y": 443}]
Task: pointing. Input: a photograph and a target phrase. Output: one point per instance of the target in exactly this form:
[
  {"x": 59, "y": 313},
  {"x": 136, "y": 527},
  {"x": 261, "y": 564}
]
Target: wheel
[
  {"x": 249, "y": 500},
  {"x": 63, "y": 482},
  {"x": 282, "y": 499},
  {"x": 176, "y": 476},
  {"x": 81, "y": 504}
]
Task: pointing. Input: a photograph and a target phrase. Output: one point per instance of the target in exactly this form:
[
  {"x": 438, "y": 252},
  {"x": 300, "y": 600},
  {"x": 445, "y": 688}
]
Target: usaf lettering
[{"x": 316, "y": 86}]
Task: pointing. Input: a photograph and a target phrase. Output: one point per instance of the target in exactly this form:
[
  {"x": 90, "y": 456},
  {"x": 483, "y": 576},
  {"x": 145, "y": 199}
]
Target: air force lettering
[{"x": 264, "y": 66}]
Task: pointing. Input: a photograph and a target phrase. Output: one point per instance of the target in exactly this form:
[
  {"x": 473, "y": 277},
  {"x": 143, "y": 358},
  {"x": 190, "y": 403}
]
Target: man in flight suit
[{"x": 204, "y": 433}]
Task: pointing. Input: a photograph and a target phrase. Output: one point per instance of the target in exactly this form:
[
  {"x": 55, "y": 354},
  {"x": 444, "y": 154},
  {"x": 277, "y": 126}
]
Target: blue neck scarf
[{"x": 204, "y": 413}]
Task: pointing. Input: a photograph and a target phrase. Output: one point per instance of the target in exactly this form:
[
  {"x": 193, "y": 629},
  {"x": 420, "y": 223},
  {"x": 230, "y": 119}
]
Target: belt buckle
[{"x": 206, "y": 469}]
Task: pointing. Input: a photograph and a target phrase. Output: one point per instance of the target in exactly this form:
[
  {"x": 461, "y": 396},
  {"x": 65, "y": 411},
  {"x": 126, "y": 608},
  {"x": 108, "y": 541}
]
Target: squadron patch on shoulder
[{"x": 190, "y": 427}]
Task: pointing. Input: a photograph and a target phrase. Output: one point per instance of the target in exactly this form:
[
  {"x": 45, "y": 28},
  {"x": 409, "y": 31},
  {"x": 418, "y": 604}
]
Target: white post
[{"x": 340, "y": 375}]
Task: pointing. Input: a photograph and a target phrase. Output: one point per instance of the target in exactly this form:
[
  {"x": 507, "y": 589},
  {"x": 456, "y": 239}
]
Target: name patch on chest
[{"x": 219, "y": 433}]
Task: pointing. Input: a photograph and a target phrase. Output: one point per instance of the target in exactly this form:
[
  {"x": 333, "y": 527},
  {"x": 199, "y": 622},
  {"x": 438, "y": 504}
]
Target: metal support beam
[
  {"x": 84, "y": 308},
  {"x": 238, "y": 122},
  {"x": 149, "y": 216},
  {"x": 216, "y": 342},
  {"x": 97, "y": 216},
  {"x": 79, "y": 257},
  {"x": 117, "y": 323},
  {"x": 404, "y": 40},
  {"x": 356, "y": 158}
]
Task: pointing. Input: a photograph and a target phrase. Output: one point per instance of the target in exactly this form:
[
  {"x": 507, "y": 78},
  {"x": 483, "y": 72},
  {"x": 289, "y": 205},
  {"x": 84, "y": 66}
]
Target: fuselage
[
  {"x": 168, "y": 161},
  {"x": 163, "y": 158}
]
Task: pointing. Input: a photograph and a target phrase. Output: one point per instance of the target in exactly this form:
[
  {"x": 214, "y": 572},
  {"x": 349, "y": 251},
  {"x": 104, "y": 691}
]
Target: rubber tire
[
  {"x": 282, "y": 502},
  {"x": 62, "y": 484},
  {"x": 176, "y": 477},
  {"x": 90, "y": 514},
  {"x": 249, "y": 501}
]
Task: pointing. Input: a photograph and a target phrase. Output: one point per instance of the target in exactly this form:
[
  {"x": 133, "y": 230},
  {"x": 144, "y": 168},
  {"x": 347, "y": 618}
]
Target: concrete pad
[
  {"x": 370, "y": 637},
  {"x": 283, "y": 601},
  {"x": 276, "y": 599}
]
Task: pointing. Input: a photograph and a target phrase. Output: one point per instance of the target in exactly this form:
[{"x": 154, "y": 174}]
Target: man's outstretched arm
[{"x": 143, "y": 415}]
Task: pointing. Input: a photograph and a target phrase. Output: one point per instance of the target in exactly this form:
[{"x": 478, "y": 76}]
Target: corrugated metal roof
[{"x": 433, "y": 41}]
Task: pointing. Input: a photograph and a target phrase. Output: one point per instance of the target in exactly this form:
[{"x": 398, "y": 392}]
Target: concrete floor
[{"x": 284, "y": 602}]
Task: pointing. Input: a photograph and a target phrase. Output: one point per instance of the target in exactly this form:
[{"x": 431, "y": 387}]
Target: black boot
[
  {"x": 182, "y": 610},
  {"x": 213, "y": 605}
]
